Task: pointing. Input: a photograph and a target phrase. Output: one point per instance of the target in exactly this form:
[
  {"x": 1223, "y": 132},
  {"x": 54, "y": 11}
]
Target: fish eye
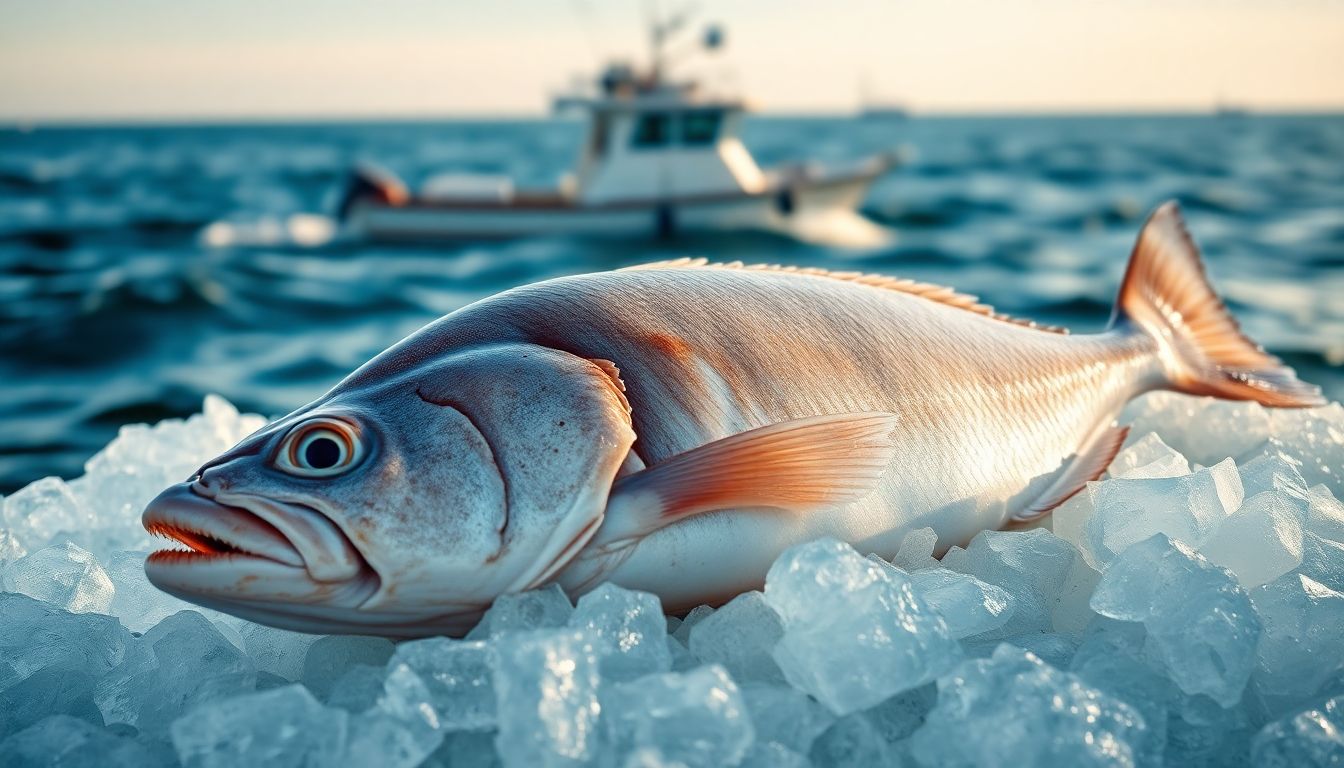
[{"x": 320, "y": 448}]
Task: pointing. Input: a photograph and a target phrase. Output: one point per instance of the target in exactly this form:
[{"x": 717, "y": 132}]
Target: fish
[{"x": 674, "y": 428}]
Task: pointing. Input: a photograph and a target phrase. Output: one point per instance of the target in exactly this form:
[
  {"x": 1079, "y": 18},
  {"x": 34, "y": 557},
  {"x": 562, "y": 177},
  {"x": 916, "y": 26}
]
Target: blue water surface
[{"x": 115, "y": 307}]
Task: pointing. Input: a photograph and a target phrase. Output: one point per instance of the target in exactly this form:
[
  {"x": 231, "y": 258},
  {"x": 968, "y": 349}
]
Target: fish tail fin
[{"x": 1166, "y": 295}]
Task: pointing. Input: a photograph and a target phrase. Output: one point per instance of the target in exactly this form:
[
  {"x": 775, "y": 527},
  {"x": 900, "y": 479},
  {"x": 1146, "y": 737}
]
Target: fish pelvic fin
[
  {"x": 794, "y": 466},
  {"x": 1088, "y": 464},
  {"x": 1167, "y": 296}
]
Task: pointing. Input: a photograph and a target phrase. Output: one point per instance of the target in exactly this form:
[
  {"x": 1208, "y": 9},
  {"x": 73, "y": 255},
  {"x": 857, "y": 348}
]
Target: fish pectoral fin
[
  {"x": 796, "y": 466},
  {"x": 1086, "y": 465}
]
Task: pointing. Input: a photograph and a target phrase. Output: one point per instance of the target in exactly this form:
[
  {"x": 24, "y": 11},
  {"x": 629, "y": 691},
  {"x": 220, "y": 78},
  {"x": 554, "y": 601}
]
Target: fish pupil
[{"x": 322, "y": 453}]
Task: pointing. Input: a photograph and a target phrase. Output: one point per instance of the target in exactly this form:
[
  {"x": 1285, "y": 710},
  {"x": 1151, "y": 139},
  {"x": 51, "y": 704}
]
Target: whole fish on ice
[{"x": 673, "y": 428}]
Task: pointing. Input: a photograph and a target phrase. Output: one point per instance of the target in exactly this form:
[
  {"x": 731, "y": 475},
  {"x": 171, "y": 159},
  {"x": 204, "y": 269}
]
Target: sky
[{"x": 206, "y": 59}]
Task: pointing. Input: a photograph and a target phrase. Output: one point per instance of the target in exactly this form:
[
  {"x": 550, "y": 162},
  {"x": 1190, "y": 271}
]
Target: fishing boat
[{"x": 659, "y": 157}]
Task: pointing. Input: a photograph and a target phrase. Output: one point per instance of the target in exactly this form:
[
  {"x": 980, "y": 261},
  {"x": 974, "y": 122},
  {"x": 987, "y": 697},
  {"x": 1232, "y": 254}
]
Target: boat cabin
[{"x": 660, "y": 141}]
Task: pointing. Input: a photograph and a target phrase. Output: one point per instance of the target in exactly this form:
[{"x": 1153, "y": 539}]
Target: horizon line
[{"x": 25, "y": 123}]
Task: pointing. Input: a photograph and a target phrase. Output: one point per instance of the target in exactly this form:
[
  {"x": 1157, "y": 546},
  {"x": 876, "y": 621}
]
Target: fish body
[
  {"x": 984, "y": 409},
  {"x": 673, "y": 428}
]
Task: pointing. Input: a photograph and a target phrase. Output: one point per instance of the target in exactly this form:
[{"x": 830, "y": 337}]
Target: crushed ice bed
[{"x": 1186, "y": 610}]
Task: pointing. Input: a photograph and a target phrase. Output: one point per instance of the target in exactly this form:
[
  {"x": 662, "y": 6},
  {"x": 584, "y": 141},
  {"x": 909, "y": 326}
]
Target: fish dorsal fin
[
  {"x": 794, "y": 466},
  {"x": 1086, "y": 465},
  {"x": 931, "y": 291}
]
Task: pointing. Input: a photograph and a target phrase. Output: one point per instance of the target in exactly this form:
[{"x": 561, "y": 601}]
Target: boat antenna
[
  {"x": 583, "y": 12},
  {"x": 662, "y": 29}
]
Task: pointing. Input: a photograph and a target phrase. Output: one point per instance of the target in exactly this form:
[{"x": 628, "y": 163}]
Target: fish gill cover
[{"x": 1186, "y": 610}]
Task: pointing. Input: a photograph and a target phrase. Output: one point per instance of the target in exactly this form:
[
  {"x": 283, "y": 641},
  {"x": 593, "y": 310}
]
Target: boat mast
[{"x": 660, "y": 31}]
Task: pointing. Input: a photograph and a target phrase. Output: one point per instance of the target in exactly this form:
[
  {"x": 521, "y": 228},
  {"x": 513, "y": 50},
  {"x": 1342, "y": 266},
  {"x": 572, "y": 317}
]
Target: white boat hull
[{"x": 773, "y": 210}]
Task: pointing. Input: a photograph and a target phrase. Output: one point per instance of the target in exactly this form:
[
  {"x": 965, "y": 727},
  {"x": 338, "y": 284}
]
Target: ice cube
[
  {"x": 1316, "y": 437},
  {"x": 281, "y": 727},
  {"x": 682, "y": 658},
  {"x": 1148, "y": 457},
  {"x": 917, "y": 550},
  {"x": 1013, "y": 709},
  {"x": 1188, "y": 508},
  {"x": 358, "y": 688},
  {"x": 546, "y": 698},
  {"x": 1262, "y": 540},
  {"x": 11, "y": 548},
  {"x": 35, "y": 635},
  {"x": 400, "y": 731},
  {"x": 1201, "y": 732},
  {"x": 1053, "y": 649},
  {"x": 535, "y": 609},
  {"x": 1072, "y": 611},
  {"x": 329, "y": 657},
  {"x": 44, "y": 693},
  {"x": 277, "y": 651},
  {"x": 63, "y": 575},
  {"x": 1200, "y": 622},
  {"x": 1323, "y": 561},
  {"x": 695, "y": 719},
  {"x": 1111, "y": 659},
  {"x": 1032, "y": 566},
  {"x": 1325, "y": 514},
  {"x": 855, "y": 632},
  {"x": 697, "y": 614},
  {"x": 71, "y": 742},
  {"x": 39, "y": 511},
  {"x": 740, "y": 636},
  {"x": 901, "y": 715},
  {"x": 1311, "y": 738},
  {"x": 179, "y": 663},
  {"x": 457, "y": 675},
  {"x": 1300, "y": 649},
  {"x": 1069, "y": 520},
  {"x": 785, "y": 715},
  {"x": 465, "y": 749},
  {"x": 628, "y": 630},
  {"x": 1272, "y": 470},
  {"x": 139, "y": 604},
  {"x": 1202, "y": 429},
  {"x": 853, "y": 741},
  {"x": 967, "y": 604},
  {"x": 649, "y": 757},
  {"x": 773, "y": 755}
]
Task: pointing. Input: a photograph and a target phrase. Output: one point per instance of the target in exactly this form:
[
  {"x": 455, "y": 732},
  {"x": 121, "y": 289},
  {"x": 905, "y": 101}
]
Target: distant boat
[
  {"x": 883, "y": 112},
  {"x": 659, "y": 157},
  {"x": 1231, "y": 111},
  {"x": 876, "y": 107}
]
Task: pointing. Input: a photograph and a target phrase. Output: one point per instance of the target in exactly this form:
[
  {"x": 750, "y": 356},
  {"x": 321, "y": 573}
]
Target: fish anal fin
[
  {"x": 931, "y": 291},
  {"x": 1085, "y": 466},
  {"x": 796, "y": 466}
]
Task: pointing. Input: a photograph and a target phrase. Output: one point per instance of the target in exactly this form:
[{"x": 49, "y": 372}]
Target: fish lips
[{"x": 251, "y": 550}]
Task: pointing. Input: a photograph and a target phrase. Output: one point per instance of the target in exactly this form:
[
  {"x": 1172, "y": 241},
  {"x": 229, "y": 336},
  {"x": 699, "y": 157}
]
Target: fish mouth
[
  {"x": 210, "y": 530},
  {"x": 231, "y": 549}
]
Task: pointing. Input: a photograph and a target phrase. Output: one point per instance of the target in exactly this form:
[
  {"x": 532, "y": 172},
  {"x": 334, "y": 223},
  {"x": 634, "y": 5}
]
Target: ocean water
[{"x": 142, "y": 267}]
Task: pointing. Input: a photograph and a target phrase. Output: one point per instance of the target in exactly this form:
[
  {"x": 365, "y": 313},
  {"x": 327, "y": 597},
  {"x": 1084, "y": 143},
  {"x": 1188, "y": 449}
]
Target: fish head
[{"x": 405, "y": 500}]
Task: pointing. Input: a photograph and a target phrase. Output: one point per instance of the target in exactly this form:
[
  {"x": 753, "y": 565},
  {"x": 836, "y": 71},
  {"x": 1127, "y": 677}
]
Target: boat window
[
  {"x": 700, "y": 128},
  {"x": 653, "y": 130}
]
